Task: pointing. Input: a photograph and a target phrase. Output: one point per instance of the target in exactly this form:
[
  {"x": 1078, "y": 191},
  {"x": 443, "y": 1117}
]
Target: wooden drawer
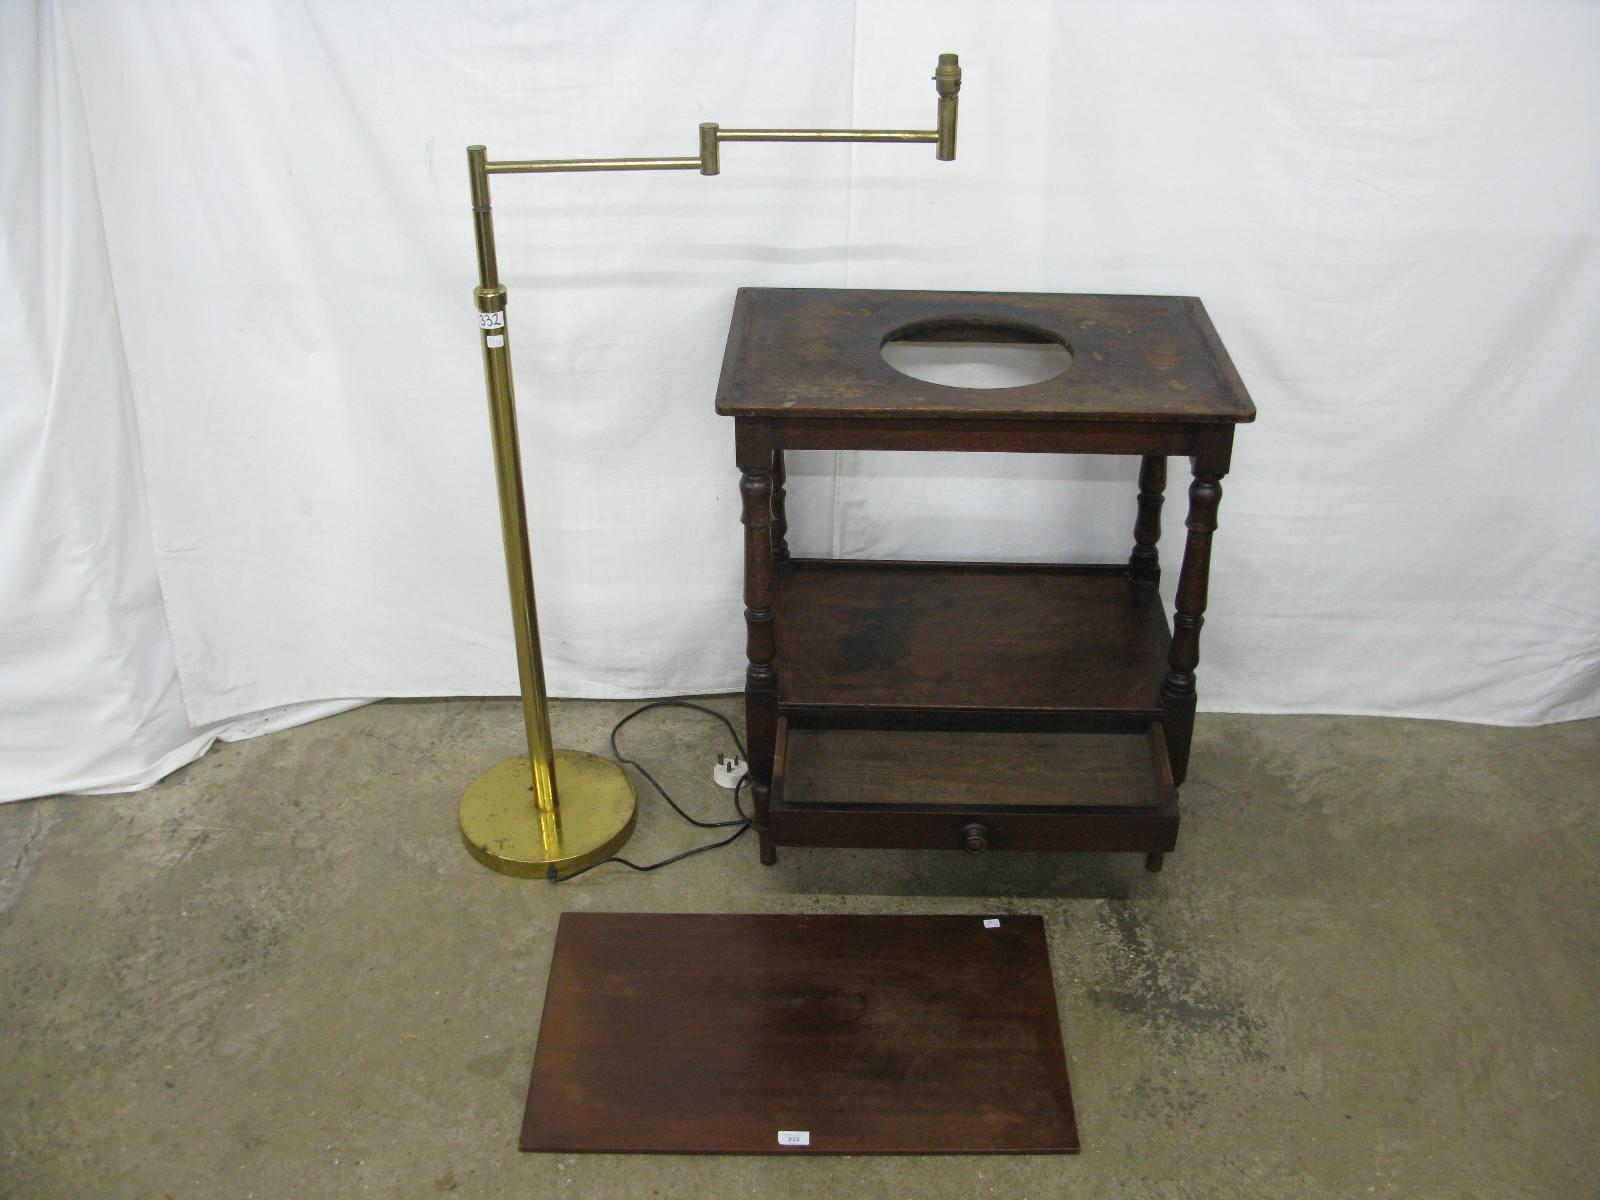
[{"x": 973, "y": 791}]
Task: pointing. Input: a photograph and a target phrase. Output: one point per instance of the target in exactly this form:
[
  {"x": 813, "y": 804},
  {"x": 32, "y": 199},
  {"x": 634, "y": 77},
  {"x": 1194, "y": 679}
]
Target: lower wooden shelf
[{"x": 977, "y": 791}]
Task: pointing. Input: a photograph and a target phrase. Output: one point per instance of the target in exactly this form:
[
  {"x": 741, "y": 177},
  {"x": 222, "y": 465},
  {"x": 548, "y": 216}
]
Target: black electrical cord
[
  {"x": 638, "y": 766},
  {"x": 742, "y": 821}
]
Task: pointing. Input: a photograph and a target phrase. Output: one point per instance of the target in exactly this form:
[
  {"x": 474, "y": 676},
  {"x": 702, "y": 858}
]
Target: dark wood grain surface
[
  {"x": 797, "y": 352},
  {"x": 683, "y": 1033},
  {"x": 950, "y": 636}
]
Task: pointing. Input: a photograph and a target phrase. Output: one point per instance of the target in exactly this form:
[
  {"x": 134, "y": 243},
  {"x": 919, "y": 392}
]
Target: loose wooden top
[
  {"x": 678, "y": 1033},
  {"x": 815, "y": 352}
]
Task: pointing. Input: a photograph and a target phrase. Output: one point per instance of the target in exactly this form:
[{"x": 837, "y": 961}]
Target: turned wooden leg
[
  {"x": 1145, "y": 561},
  {"x": 761, "y": 673},
  {"x": 780, "y": 521},
  {"x": 1152, "y": 862},
  {"x": 1177, "y": 693}
]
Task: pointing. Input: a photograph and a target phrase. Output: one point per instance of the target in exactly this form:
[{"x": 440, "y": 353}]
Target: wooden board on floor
[{"x": 777, "y": 1034}]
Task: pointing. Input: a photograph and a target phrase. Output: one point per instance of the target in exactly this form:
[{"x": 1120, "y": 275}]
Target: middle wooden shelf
[{"x": 955, "y": 645}]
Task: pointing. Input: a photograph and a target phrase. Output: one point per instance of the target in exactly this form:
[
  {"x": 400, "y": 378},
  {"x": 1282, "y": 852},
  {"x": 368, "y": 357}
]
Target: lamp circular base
[{"x": 506, "y": 832}]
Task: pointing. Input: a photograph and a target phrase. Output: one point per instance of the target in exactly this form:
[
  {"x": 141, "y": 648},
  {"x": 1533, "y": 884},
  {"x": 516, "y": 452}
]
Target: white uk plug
[{"x": 729, "y": 771}]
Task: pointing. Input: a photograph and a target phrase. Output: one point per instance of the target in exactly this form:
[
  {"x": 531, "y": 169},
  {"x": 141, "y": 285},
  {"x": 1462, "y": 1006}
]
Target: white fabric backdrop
[
  {"x": 89, "y": 697},
  {"x": 246, "y": 226}
]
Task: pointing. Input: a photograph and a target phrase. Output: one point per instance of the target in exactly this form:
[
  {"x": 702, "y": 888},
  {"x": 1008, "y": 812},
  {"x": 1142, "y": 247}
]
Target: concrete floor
[{"x": 1372, "y": 968}]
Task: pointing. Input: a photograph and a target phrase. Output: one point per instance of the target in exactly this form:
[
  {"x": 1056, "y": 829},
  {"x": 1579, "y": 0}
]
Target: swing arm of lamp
[
  {"x": 947, "y": 79},
  {"x": 552, "y": 811}
]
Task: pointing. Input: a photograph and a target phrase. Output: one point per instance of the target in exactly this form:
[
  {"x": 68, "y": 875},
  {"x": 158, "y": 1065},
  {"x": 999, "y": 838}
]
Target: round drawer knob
[{"x": 975, "y": 838}]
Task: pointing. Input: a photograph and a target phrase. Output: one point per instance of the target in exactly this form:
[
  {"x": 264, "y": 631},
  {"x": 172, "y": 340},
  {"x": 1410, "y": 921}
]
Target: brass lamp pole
[{"x": 553, "y": 811}]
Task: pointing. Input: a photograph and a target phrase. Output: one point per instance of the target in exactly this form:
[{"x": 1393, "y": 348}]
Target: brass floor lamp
[{"x": 553, "y": 811}]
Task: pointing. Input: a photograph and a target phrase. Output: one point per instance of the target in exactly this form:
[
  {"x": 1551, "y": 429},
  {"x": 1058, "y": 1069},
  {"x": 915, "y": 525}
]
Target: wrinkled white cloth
[{"x": 244, "y": 444}]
